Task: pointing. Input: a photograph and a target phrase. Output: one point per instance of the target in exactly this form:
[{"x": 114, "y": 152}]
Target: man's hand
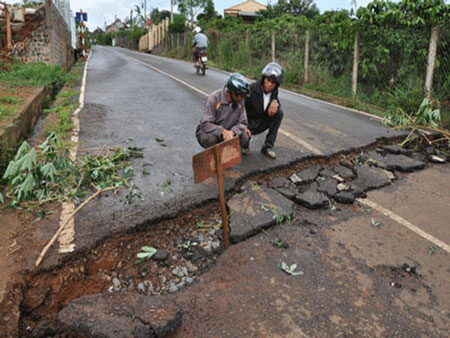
[
  {"x": 227, "y": 134},
  {"x": 273, "y": 108},
  {"x": 248, "y": 132}
]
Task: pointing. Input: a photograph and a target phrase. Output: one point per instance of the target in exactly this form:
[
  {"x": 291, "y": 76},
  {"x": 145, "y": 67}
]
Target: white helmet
[{"x": 197, "y": 30}]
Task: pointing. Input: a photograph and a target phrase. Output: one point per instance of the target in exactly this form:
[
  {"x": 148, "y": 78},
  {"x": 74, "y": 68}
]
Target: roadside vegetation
[
  {"x": 33, "y": 176},
  {"x": 394, "y": 39}
]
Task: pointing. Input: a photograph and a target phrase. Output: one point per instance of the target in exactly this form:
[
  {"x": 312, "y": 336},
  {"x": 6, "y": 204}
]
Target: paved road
[{"x": 132, "y": 99}]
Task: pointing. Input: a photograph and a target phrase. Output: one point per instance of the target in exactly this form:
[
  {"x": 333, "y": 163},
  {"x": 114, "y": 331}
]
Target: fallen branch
[{"x": 61, "y": 228}]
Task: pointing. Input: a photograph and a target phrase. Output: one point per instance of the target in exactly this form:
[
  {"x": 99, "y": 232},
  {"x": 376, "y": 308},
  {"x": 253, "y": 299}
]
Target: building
[
  {"x": 247, "y": 10},
  {"x": 115, "y": 26}
]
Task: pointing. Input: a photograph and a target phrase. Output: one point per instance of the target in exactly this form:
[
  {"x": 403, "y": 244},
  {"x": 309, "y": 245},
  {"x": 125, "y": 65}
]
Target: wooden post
[
  {"x": 355, "y": 64},
  {"x": 273, "y": 46},
  {"x": 306, "y": 77},
  {"x": 222, "y": 196},
  {"x": 431, "y": 60},
  {"x": 8, "y": 28}
]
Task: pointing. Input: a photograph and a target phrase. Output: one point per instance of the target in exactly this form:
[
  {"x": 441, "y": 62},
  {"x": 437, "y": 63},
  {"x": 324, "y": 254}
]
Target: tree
[
  {"x": 209, "y": 13},
  {"x": 190, "y": 8},
  {"x": 178, "y": 25},
  {"x": 296, "y": 7}
]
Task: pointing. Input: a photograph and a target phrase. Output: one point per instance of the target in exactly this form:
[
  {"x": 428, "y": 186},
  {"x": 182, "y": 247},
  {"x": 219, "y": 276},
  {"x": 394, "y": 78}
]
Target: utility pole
[
  {"x": 171, "y": 11},
  {"x": 145, "y": 11}
]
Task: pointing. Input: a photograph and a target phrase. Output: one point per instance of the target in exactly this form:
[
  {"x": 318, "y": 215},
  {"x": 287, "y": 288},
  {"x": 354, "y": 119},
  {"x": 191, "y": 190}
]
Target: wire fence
[{"x": 392, "y": 64}]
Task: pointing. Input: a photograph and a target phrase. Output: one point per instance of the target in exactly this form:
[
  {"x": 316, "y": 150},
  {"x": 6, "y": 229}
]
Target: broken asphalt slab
[
  {"x": 120, "y": 315},
  {"x": 255, "y": 208}
]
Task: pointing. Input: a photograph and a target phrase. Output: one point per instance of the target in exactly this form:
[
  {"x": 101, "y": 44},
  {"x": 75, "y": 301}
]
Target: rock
[
  {"x": 370, "y": 178},
  {"x": 178, "y": 272},
  {"x": 375, "y": 159},
  {"x": 189, "y": 280},
  {"x": 279, "y": 182},
  {"x": 325, "y": 172},
  {"x": 119, "y": 315},
  {"x": 173, "y": 288},
  {"x": 116, "y": 283},
  {"x": 141, "y": 287},
  {"x": 191, "y": 267},
  {"x": 437, "y": 159},
  {"x": 338, "y": 178},
  {"x": 312, "y": 199},
  {"x": 396, "y": 149},
  {"x": 419, "y": 156},
  {"x": 343, "y": 187},
  {"x": 403, "y": 163},
  {"x": 256, "y": 209},
  {"x": 344, "y": 197},
  {"x": 356, "y": 189},
  {"x": 328, "y": 186},
  {"x": 309, "y": 174},
  {"x": 346, "y": 163},
  {"x": 295, "y": 179},
  {"x": 160, "y": 255}
]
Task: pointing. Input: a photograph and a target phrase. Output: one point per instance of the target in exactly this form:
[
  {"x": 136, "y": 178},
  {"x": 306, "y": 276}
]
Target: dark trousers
[
  {"x": 269, "y": 122},
  {"x": 207, "y": 140},
  {"x": 196, "y": 52}
]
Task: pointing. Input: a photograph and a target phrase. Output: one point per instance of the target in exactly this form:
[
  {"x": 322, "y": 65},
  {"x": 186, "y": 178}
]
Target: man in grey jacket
[
  {"x": 224, "y": 116},
  {"x": 199, "y": 43}
]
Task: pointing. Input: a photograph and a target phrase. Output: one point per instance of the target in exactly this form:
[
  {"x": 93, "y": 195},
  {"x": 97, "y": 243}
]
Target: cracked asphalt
[{"x": 130, "y": 104}]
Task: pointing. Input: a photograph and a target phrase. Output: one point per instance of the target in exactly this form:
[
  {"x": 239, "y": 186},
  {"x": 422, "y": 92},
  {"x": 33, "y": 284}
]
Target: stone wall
[{"x": 50, "y": 43}]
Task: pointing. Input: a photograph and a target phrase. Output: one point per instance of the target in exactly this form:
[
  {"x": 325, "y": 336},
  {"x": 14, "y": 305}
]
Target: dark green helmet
[
  {"x": 274, "y": 72},
  {"x": 238, "y": 84}
]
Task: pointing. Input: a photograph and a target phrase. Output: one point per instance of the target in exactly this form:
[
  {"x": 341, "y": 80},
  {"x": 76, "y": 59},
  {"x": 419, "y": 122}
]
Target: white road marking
[
  {"x": 282, "y": 131},
  {"x": 301, "y": 142},
  {"x": 405, "y": 223},
  {"x": 67, "y": 236}
]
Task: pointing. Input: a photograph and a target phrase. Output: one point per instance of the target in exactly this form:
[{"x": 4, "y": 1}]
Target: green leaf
[
  {"x": 1, "y": 198},
  {"x": 23, "y": 149},
  {"x": 12, "y": 170},
  {"x": 159, "y": 140},
  {"x": 27, "y": 161},
  {"x": 24, "y": 189},
  {"x": 49, "y": 171},
  {"x": 149, "y": 249}
]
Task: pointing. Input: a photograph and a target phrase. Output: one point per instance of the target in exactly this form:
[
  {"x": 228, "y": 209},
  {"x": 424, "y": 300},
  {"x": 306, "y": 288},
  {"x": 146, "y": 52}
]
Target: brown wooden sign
[
  {"x": 204, "y": 163},
  {"x": 212, "y": 161}
]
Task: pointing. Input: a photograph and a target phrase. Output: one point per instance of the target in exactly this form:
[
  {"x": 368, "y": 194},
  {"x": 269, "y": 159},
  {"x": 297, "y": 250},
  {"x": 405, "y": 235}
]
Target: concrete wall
[{"x": 51, "y": 43}]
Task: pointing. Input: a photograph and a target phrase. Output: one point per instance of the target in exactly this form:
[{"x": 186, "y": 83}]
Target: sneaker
[
  {"x": 245, "y": 151},
  {"x": 268, "y": 153}
]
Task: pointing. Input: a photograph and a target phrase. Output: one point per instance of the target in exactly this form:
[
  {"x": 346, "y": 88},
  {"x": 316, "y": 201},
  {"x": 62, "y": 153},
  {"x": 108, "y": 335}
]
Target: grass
[
  {"x": 9, "y": 100},
  {"x": 6, "y": 112},
  {"x": 34, "y": 74}
]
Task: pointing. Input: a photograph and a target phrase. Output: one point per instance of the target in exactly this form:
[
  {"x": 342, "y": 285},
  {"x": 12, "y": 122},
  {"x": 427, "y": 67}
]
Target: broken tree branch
[{"x": 61, "y": 228}]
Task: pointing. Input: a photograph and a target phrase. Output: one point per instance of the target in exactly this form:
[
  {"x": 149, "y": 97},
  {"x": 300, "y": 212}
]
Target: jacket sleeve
[
  {"x": 207, "y": 123},
  {"x": 241, "y": 124},
  {"x": 274, "y": 96}
]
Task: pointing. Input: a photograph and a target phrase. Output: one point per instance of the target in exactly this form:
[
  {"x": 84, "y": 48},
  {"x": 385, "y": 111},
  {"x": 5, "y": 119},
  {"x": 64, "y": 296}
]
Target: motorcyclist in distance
[{"x": 199, "y": 44}]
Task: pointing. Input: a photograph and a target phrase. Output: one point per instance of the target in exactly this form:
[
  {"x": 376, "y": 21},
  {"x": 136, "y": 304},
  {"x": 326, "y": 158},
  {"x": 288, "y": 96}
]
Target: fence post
[
  {"x": 355, "y": 64},
  {"x": 273, "y": 46},
  {"x": 431, "y": 60},
  {"x": 8, "y": 28},
  {"x": 306, "y": 78}
]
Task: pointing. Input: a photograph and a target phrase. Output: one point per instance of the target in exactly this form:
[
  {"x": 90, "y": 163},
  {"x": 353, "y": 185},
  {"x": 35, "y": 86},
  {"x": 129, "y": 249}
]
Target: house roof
[{"x": 247, "y": 6}]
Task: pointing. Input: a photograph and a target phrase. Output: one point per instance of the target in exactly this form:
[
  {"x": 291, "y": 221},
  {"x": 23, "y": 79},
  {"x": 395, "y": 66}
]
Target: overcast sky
[{"x": 104, "y": 11}]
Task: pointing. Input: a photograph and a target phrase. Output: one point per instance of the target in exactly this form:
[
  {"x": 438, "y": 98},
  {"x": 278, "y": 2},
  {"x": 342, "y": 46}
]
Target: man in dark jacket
[
  {"x": 224, "y": 116},
  {"x": 263, "y": 107}
]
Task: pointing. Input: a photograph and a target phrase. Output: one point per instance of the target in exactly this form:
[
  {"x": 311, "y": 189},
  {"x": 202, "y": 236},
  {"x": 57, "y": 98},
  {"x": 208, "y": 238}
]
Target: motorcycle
[{"x": 200, "y": 65}]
